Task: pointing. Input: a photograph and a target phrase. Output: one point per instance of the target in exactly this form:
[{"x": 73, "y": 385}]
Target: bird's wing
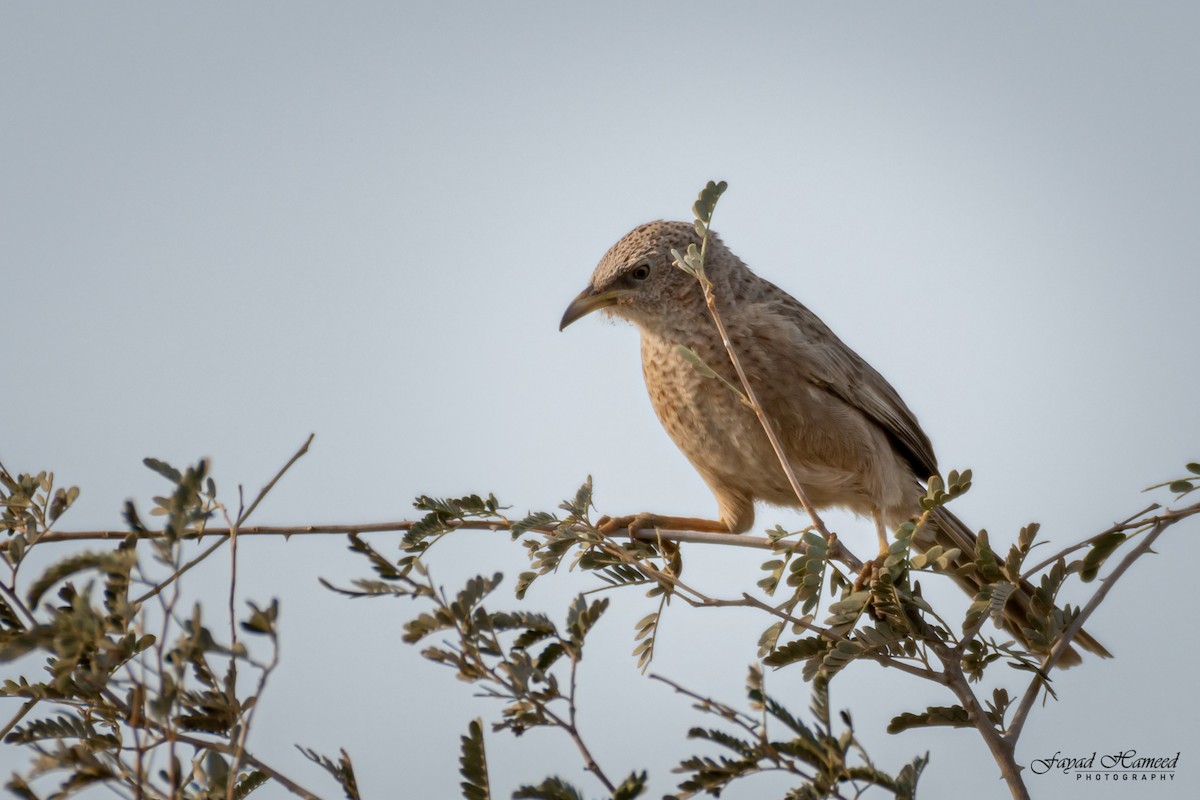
[{"x": 828, "y": 363}]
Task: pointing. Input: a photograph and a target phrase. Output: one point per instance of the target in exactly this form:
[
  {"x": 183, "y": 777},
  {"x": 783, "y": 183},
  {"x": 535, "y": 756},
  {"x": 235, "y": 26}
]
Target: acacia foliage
[{"x": 139, "y": 690}]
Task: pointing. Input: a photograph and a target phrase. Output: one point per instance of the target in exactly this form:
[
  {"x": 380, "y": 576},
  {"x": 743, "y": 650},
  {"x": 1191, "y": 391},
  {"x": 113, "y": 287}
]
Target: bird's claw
[
  {"x": 628, "y": 522},
  {"x": 868, "y": 573}
]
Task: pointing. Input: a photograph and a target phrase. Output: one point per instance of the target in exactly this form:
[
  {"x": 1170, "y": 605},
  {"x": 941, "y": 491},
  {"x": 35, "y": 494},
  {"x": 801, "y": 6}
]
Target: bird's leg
[
  {"x": 647, "y": 521},
  {"x": 881, "y": 532},
  {"x": 869, "y": 568}
]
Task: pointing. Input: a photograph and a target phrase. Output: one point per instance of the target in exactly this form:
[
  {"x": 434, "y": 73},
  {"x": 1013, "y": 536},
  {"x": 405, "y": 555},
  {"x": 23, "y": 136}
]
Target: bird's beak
[{"x": 588, "y": 301}]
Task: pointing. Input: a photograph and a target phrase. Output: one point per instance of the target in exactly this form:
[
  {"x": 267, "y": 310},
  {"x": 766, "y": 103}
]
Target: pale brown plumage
[{"x": 848, "y": 436}]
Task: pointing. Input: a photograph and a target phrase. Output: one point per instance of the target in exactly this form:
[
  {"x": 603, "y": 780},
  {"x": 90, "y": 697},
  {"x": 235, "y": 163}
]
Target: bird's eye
[{"x": 640, "y": 272}]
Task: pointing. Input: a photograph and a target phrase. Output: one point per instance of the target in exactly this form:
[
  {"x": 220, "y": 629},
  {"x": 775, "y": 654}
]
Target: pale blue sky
[{"x": 223, "y": 226}]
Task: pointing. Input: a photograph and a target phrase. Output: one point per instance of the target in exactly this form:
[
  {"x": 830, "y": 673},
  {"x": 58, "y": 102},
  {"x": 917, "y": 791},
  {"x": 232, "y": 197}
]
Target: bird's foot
[
  {"x": 869, "y": 572},
  {"x": 633, "y": 522},
  {"x": 662, "y": 522},
  {"x": 629, "y": 522},
  {"x": 866, "y": 580}
]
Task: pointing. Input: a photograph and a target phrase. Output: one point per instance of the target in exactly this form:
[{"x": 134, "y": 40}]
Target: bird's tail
[{"x": 950, "y": 531}]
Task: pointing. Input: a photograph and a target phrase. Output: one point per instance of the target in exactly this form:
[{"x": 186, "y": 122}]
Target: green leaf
[
  {"x": 798, "y": 650},
  {"x": 341, "y": 770},
  {"x": 247, "y": 783},
  {"x": 678, "y": 259},
  {"x": 473, "y": 593},
  {"x": 581, "y": 617},
  {"x": 524, "y": 580},
  {"x": 852, "y": 603},
  {"x": 534, "y": 520},
  {"x": 424, "y": 624},
  {"x": 550, "y": 654},
  {"x": 118, "y": 562},
  {"x": 537, "y": 626},
  {"x": 553, "y": 788},
  {"x": 20, "y": 788},
  {"x": 769, "y": 639},
  {"x": 1101, "y": 549},
  {"x": 631, "y": 787},
  {"x": 647, "y": 631},
  {"x": 1193, "y": 467},
  {"x": 473, "y": 764},
  {"x": 1027, "y": 535},
  {"x": 999, "y": 597},
  {"x": 707, "y": 201},
  {"x": 740, "y": 746},
  {"x": 63, "y": 499},
  {"x": 696, "y": 361},
  {"x": 842, "y": 654},
  {"x": 953, "y": 716},
  {"x": 132, "y": 519},
  {"x": 1181, "y": 486},
  {"x": 62, "y": 727},
  {"x": 16, "y": 548},
  {"x": 579, "y": 506},
  {"x": 383, "y": 567},
  {"x": 262, "y": 620},
  {"x": 164, "y": 469}
]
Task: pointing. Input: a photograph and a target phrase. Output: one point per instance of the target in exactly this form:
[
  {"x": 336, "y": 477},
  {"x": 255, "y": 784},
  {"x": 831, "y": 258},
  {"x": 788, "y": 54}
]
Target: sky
[{"x": 226, "y": 226}]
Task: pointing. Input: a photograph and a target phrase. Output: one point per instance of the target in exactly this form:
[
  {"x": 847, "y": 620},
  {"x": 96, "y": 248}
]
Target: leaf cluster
[
  {"x": 823, "y": 757},
  {"x": 137, "y": 693}
]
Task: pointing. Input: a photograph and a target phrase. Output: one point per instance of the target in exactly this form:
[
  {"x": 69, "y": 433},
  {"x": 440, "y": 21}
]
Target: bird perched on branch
[{"x": 847, "y": 435}]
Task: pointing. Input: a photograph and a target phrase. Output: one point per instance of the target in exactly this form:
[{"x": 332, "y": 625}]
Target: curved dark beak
[{"x": 589, "y": 300}]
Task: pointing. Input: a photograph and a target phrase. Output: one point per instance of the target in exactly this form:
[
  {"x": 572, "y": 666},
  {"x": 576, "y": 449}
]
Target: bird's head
[{"x": 638, "y": 280}]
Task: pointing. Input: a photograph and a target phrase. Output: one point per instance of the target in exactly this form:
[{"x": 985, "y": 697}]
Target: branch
[
  {"x": 1001, "y": 748},
  {"x": 177, "y": 574},
  {"x": 400, "y": 526},
  {"x": 25, "y": 708},
  {"x": 259, "y": 530},
  {"x": 573, "y": 731},
  {"x": 1165, "y": 521},
  {"x": 1124, "y": 525}
]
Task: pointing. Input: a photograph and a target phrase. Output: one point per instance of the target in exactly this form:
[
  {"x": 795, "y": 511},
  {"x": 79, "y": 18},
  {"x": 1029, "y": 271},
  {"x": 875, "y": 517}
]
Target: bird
[{"x": 846, "y": 433}]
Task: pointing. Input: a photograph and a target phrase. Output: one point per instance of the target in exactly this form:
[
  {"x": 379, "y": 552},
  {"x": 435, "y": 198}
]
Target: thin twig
[
  {"x": 1123, "y": 525},
  {"x": 25, "y": 708},
  {"x": 238, "y": 739},
  {"x": 271, "y": 485},
  {"x": 749, "y": 724},
  {"x": 573, "y": 731},
  {"x": 177, "y": 574},
  {"x": 711, "y": 300},
  {"x": 15, "y": 602},
  {"x": 400, "y": 526}
]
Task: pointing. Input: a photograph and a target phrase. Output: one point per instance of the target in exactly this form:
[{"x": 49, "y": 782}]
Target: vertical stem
[
  {"x": 238, "y": 740},
  {"x": 776, "y": 445},
  {"x": 573, "y": 732}
]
